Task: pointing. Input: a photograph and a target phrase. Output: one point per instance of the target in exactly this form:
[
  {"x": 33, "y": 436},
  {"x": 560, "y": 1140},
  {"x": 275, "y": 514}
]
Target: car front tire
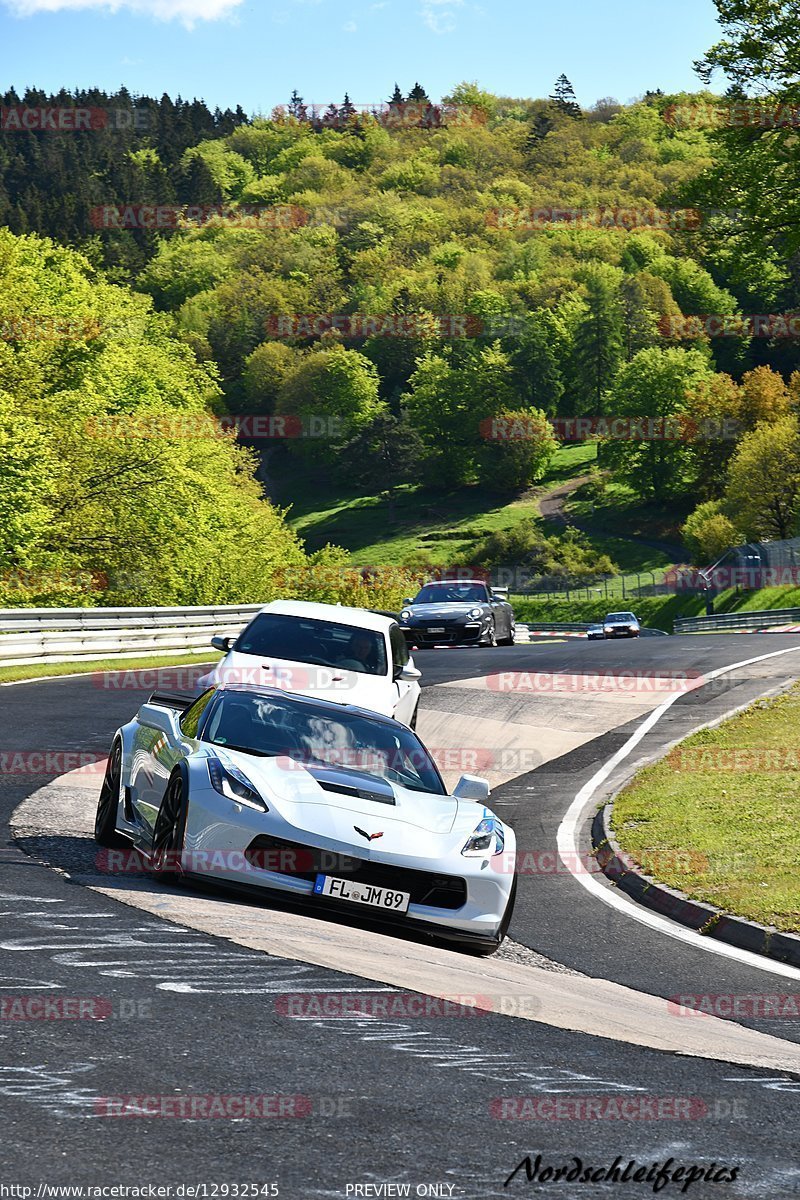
[
  {"x": 105, "y": 822},
  {"x": 491, "y": 635},
  {"x": 508, "y": 641},
  {"x": 169, "y": 829}
]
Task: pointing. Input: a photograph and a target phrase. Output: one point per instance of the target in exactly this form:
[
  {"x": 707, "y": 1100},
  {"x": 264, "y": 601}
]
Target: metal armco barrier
[
  {"x": 37, "y": 635},
  {"x": 732, "y": 621}
]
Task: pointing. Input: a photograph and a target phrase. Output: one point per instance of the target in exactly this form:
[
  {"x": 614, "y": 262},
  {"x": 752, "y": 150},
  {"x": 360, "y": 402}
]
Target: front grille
[
  {"x": 453, "y": 631},
  {"x": 306, "y": 862}
]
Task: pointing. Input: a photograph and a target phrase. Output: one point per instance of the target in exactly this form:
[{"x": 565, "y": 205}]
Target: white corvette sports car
[{"x": 258, "y": 787}]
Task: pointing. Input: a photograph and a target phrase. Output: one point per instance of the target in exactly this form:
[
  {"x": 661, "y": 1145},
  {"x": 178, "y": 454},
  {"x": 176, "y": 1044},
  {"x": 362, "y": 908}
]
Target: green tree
[
  {"x": 111, "y": 463},
  {"x": 26, "y": 474},
  {"x": 519, "y": 454},
  {"x": 655, "y": 386},
  {"x": 760, "y": 46},
  {"x": 764, "y": 480},
  {"x": 708, "y": 532},
  {"x": 599, "y": 339},
  {"x": 418, "y": 95},
  {"x": 266, "y": 370},
  {"x": 333, "y": 391},
  {"x": 758, "y": 152},
  {"x": 564, "y": 98},
  {"x": 383, "y": 455},
  {"x": 447, "y": 401},
  {"x": 539, "y": 378}
]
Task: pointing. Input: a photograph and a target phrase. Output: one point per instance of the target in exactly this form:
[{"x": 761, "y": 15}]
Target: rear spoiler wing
[{"x": 180, "y": 701}]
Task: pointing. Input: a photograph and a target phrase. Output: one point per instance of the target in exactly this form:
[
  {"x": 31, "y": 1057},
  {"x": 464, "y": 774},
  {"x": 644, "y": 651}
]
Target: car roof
[
  {"x": 456, "y": 582},
  {"x": 338, "y": 613},
  {"x": 332, "y": 706}
]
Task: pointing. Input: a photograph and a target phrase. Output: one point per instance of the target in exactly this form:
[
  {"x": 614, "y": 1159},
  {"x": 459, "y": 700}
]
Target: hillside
[{"x": 404, "y": 311}]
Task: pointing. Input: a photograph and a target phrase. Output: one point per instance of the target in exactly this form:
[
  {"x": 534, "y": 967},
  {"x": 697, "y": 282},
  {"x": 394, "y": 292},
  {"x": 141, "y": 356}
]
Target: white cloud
[
  {"x": 439, "y": 15},
  {"x": 350, "y": 27},
  {"x": 187, "y": 11}
]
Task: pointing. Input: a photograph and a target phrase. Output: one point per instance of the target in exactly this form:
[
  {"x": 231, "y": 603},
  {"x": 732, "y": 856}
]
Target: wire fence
[
  {"x": 634, "y": 585},
  {"x": 748, "y": 567}
]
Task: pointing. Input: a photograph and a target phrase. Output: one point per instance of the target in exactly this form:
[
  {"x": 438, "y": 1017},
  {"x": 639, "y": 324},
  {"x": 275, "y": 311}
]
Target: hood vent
[
  {"x": 348, "y": 783},
  {"x": 344, "y": 789}
]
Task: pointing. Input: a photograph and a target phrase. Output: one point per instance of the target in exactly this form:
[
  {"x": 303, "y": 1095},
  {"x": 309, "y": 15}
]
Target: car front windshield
[
  {"x": 452, "y": 593},
  {"x": 315, "y": 735},
  {"x": 620, "y": 617},
  {"x": 324, "y": 643}
]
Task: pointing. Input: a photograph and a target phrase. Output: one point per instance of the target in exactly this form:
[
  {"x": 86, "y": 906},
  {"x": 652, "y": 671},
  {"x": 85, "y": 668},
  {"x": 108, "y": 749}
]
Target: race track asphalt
[{"x": 429, "y": 1103}]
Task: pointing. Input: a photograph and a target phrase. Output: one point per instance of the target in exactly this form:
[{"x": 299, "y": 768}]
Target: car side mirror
[
  {"x": 153, "y": 717},
  {"x": 408, "y": 672},
  {"x": 221, "y": 643},
  {"x": 407, "y": 601},
  {"x": 472, "y": 787}
]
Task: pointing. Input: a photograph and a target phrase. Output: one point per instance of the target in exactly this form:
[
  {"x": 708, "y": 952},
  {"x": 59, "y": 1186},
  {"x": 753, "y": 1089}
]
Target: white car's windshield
[
  {"x": 325, "y": 643},
  {"x": 316, "y": 735}
]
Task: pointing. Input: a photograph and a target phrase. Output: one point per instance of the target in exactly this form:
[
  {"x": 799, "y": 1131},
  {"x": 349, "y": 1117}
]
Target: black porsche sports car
[{"x": 456, "y": 612}]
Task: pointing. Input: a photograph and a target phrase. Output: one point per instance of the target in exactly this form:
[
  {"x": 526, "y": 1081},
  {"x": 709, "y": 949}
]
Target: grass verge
[
  {"x": 416, "y": 524},
  {"x": 719, "y": 817},
  {"x": 43, "y": 670},
  {"x": 658, "y": 612}
]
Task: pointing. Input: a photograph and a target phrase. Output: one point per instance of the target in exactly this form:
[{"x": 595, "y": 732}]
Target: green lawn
[
  {"x": 659, "y": 612},
  {"x": 40, "y": 670},
  {"x": 420, "y": 524},
  {"x": 618, "y": 509},
  {"x": 719, "y": 818}
]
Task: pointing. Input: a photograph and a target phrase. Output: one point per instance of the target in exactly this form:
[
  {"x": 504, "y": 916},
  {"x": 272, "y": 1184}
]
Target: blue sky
[{"x": 253, "y": 52}]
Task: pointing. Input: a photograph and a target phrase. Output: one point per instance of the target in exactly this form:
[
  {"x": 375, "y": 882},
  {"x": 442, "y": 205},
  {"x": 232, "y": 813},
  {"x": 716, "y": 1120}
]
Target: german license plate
[
  {"x": 436, "y": 629},
  {"x": 362, "y": 893}
]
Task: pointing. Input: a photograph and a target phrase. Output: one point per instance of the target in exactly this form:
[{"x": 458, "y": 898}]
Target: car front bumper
[
  {"x": 218, "y": 848},
  {"x": 445, "y": 633}
]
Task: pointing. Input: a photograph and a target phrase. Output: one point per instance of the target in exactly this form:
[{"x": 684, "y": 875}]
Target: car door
[
  {"x": 509, "y": 618},
  {"x": 407, "y": 690},
  {"x": 157, "y": 756},
  {"x": 502, "y": 616}
]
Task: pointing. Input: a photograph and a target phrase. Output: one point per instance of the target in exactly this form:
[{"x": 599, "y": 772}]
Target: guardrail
[
  {"x": 745, "y": 620},
  {"x": 29, "y": 636},
  {"x": 577, "y": 627},
  {"x": 558, "y": 626}
]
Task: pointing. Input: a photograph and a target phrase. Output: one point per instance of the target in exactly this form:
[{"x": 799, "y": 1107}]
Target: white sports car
[
  {"x": 326, "y": 650},
  {"x": 261, "y": 788}
]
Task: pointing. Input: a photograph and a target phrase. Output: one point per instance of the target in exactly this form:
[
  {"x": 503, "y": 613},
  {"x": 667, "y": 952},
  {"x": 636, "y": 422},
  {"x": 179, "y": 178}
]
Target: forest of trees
[{"x": 520, "y": 260}]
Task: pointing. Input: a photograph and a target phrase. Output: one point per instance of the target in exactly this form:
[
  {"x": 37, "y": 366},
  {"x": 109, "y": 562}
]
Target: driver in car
[{"x": 360, "y": 652}]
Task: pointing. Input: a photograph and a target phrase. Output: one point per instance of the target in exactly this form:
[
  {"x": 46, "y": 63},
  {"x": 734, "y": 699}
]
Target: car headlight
[
  {"x": 489, "y": 838},
  {"x": 405, "y": 615},
  {"x": 476, "y": 612},
  {"x": 232, "y": 783}
]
